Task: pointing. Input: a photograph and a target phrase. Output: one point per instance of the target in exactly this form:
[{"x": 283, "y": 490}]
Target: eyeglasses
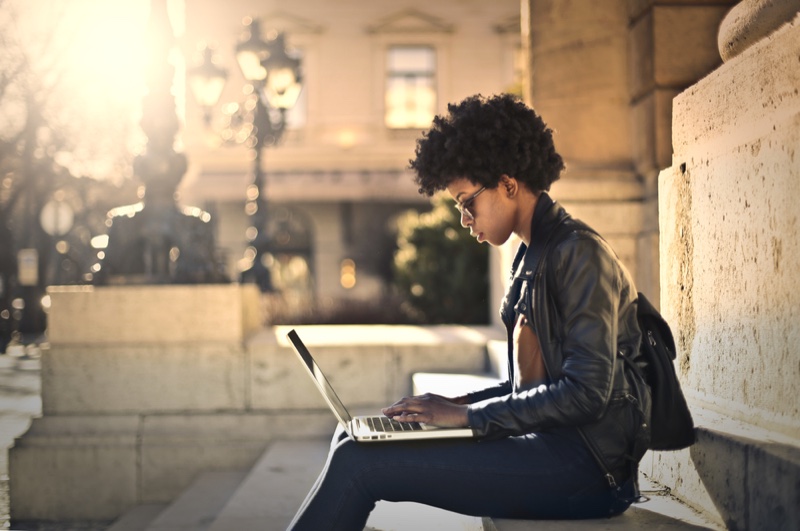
[{"x": 464, "y": 206}]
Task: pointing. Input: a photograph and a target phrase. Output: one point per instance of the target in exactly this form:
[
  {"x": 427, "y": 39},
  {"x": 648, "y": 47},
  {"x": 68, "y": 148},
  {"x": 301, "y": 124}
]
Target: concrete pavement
[{"x": 20, "y": 399}]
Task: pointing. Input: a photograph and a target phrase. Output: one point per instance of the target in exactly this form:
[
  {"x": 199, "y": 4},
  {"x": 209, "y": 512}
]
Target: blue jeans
[{"x": 538, "y": 476}]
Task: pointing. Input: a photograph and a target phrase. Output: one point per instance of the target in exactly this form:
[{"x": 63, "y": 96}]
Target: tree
[{"x": 440, "y": 268}]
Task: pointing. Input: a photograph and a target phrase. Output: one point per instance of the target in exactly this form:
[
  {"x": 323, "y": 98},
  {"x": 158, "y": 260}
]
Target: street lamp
[
  {"x": 252, "y": 51},
  {"x": 207, "y": 81},
  {"x": 283, "y": 83},
  {"x": 275, "y": 76}
]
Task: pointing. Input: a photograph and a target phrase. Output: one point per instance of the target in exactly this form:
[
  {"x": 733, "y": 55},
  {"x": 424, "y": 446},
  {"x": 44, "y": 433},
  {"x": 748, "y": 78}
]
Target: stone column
[
  {"x": 603, "y": 76},
  {"x": 578, "y": 57},
  {"x": 670, "y": 46}
]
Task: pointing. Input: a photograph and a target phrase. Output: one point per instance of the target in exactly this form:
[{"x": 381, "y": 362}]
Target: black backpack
[{"x": 671, "y": 424}]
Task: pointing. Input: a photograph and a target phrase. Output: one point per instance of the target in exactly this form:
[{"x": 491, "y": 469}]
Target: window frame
[{"x": 432, "y": 76}]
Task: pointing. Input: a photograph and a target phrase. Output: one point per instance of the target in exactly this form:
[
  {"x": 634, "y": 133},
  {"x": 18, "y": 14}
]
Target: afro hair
[{"x": 483, "y": 138}]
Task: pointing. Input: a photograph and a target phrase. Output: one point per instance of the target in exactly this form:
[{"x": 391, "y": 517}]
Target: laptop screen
[{"x": 319, "y": 378}]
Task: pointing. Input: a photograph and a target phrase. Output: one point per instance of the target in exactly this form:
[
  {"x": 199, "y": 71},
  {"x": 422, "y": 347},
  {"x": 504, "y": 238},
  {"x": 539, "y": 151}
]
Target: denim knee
[{"x": 346, "y": 455}]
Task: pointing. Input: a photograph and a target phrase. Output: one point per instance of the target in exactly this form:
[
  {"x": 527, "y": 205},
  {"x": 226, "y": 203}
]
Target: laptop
[{"x": 368, "y": 428}]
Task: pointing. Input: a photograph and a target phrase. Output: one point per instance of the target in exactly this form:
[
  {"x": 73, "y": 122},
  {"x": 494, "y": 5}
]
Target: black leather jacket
[{"x": 582, "y": 306}]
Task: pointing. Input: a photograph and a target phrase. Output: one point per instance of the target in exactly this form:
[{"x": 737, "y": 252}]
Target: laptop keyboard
[{"x": 387, "y": 424}]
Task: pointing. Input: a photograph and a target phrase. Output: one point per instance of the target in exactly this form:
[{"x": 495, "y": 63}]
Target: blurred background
[{"x": 297, "y": 181}]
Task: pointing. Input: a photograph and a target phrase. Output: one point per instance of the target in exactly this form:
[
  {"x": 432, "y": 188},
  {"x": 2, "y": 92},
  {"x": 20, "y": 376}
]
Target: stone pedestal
[
  {"x": 146, "y": 387},
  {"x": 730, "y": 289},
  {"x": 130, "y": 371}
]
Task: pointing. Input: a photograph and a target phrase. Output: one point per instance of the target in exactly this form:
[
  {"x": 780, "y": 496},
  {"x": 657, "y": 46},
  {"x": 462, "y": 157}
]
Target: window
[{"x": 410, "y": 87}]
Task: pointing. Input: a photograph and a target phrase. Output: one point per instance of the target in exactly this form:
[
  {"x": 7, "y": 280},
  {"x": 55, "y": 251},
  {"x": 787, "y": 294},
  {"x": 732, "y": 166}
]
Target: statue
[{"x": 154, "y": 241}]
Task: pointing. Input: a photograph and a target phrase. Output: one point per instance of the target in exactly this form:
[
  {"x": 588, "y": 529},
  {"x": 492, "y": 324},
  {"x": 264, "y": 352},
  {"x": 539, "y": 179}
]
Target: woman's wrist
[{"x": 462, "y": 400}]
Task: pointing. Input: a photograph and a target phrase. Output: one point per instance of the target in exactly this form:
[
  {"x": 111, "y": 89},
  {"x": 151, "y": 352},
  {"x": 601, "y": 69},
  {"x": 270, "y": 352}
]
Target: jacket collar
[
  {"x": 547, "y": 215},
  {"x": 541, "y": 214}
]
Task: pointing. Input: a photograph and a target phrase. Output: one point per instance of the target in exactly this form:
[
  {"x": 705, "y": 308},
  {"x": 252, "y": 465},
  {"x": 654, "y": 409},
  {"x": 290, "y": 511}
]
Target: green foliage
[{"x": 440, "y": 268}]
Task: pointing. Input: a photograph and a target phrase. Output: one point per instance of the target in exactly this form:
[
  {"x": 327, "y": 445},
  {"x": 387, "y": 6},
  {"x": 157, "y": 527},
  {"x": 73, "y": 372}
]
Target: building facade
[{"x": 374, "y": 75}]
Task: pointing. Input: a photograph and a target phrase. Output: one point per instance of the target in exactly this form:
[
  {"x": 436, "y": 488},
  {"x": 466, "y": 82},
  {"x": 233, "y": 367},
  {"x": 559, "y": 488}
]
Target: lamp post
[{"x": 275, "y": 76}]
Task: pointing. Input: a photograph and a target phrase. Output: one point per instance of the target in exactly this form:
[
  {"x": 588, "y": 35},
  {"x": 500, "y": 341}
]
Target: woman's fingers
[
  {"x": 404, "y": 405},
  {"x": 428, "y": 409}
]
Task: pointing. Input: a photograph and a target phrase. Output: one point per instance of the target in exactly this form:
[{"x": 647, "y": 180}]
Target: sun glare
[
  {"x": 95, "y": 47},
  {"x": 94, "y": 54}
]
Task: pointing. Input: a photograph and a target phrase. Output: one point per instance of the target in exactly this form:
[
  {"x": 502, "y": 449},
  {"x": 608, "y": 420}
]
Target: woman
[{"x": 563, "y": 436}]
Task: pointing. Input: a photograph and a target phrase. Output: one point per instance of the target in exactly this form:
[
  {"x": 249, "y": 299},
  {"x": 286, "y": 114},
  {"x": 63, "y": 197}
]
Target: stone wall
[
  {"x": 730, "y": 289},
  {"x": 729, "y": 233}
]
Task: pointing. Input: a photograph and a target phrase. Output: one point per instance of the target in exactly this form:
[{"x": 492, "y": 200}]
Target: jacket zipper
[{"x": 589, "y": 444}]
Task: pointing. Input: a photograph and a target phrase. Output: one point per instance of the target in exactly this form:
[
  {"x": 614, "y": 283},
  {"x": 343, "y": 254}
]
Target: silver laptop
[{"x": 365, "y": 428}]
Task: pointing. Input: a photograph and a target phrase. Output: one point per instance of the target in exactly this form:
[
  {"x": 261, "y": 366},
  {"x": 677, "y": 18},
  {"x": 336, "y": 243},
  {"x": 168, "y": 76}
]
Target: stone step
[
  {"x": 274, "y": 489},
  {"x": 138, "y": 518},
  {"x": 271, "y": 494},
  {"x": 267, "y": 497},
  {"x": 408, "y": 516},
  {"x": 661, "y": 511},
  {"x": 198, "y": 506},
  {"x": 737, "y": 473},
  {"x": 194, "y": 510}
]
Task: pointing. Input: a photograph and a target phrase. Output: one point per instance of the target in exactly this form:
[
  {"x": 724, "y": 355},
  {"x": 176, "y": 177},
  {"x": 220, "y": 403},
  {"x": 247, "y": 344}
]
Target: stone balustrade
[{"x": 145, "y": 387}]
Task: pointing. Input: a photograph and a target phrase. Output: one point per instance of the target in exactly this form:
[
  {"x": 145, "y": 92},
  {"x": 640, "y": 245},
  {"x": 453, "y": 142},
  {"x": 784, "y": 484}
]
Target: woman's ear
[{"x": 510, "y": 184}]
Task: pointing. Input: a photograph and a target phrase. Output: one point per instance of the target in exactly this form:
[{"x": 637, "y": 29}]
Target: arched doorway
[{"x": 289, "y": 260}]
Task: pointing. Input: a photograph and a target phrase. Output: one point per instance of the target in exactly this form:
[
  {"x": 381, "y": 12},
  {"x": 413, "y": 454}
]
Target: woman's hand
[{"x": 430, "y": 409}]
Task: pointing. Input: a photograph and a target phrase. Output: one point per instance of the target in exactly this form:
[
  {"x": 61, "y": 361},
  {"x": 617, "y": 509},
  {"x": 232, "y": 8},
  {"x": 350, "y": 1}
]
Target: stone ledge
[
  {"x": 736, "y": 475},
  {"x": 660, "y": 512},
  {"x": 369, "y": 366},
  {"x": 97, "y": 467},
  {"x": 379, "y": 335},
  {"x": 81, "y": 315},
  {"x": 743, "y": 477},
  {"x": 450, "y": 385}
]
